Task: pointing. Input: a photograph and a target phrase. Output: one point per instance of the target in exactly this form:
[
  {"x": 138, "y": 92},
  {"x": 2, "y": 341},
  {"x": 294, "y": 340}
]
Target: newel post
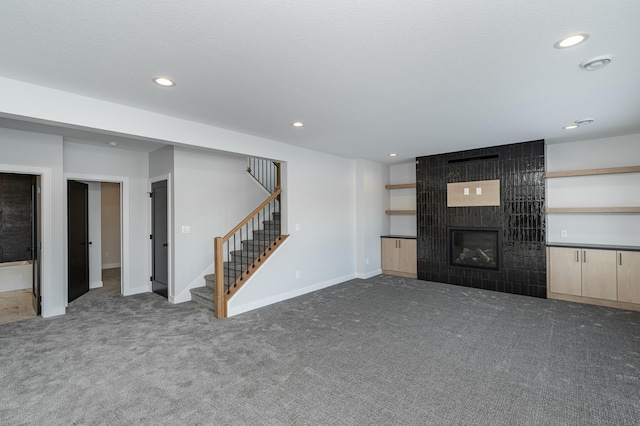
[{"x": 221, "y": 305}]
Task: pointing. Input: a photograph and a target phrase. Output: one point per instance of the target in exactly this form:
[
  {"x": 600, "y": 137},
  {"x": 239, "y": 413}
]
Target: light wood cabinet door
[
  {"x": 565, "y": 270},
  {"x": 408, "y": 256},
  {"x": 389, "y": 253},
  {"x": 628, "y": 276},
  {"x": 599, "y": 275}
]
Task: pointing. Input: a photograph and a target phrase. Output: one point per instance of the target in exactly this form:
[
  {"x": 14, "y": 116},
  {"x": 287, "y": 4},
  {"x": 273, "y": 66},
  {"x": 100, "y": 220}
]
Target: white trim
[
  {"x": 364, "y": 276},
  {"x": 46, "y": 283},
  {"x": 236, "y": 310},
  {"x": 125, "y": 283},
  {"x": 171, "y": 296},
  {"x": 95, "y": 284}
]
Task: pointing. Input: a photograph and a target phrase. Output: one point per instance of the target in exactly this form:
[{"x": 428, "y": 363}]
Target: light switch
[
  {"x": 478, "y": 191},
  {"x": 466, "y": 191},
  {"x": 186, "y": 229}
]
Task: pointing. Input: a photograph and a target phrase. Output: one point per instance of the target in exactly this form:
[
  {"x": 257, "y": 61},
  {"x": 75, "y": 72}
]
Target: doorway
[
  {"x": 159, "y": 239},
  {"x": 78, "y": 239},
  {"x": 20, "y": 255},
  {"x": 97, "y": 264}
]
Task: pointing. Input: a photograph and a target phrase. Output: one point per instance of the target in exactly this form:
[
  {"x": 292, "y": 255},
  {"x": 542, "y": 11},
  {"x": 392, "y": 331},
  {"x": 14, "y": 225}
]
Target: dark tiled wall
[{"x": 521, "y": 216}]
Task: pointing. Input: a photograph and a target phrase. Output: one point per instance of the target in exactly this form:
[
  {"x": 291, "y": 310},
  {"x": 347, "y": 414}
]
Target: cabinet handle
[
  {"x": 620, "y": 256},
  {"x": 584, "y": 256},
  {"x": 399, "y": 243},
  {"x": 577, "y": 255}
]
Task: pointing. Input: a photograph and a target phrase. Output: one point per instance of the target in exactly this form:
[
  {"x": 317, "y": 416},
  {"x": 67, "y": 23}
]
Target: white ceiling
[{"x": 416, "y": 77}]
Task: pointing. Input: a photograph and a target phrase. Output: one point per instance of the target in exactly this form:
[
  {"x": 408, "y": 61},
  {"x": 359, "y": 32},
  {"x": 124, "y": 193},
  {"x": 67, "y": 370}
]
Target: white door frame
[
  {"x": 125, "y": 284},
  {"x": 46, "y": 283},
  {"x": 171, "y": 289}
]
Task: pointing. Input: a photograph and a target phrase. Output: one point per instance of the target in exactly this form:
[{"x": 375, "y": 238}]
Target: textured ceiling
[{"x": 367, "y": 77}]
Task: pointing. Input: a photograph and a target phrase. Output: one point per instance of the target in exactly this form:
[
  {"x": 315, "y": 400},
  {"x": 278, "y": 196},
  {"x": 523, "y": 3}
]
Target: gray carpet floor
[{"x": 386, "y": 350}]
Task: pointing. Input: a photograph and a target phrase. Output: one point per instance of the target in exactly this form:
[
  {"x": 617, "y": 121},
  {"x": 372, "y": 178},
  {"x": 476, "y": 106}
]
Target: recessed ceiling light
[
  {"x": 113, "y": 143},
  {"x": 570, "y": 41},
  {"x": 392, "y": 155},
  {"x": 595, "y": 63},
  {"x": 571, "y": 126},
  {"x": 297, "y": 124},
  {"x": 164, "y": 81}
]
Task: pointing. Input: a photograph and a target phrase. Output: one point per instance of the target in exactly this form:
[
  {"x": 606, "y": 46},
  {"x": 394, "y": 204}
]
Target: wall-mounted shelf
[
  {"x": 400, "y": 186},
  {"x": 593, "y": 172},
  {"x": 400, "y": 211},
  {"x": 593, "y": 210},
  {"x": 590, "y": 172}
]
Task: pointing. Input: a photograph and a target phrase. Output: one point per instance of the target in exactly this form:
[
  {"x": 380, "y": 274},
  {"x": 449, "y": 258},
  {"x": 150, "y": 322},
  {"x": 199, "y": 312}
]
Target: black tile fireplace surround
[{"x": 519, "y": 219}]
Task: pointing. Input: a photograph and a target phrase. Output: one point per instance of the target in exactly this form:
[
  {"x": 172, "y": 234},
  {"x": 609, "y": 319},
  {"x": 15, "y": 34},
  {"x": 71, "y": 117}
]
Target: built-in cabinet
[
  {"x": 602, "y": 276},
  {"x": 399, "y": 256}
]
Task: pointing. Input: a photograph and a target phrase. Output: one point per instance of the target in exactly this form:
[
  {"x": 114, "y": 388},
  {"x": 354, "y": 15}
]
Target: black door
[
  {"x": 36, "y": 247},
  {"x": 78, "y": 230},
  {"x": 160, "y": 249}
]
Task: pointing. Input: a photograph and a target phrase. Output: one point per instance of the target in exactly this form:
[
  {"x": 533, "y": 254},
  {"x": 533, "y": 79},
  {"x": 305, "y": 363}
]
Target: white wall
[
  {"x": 161, "y": 161},
  {"x": 594, "y": 191},
  {"x": 212, "y": 194},
  {"x": 111, "y": 241},
  {"x": 320, "y": 189},
  {"x": 35, "y": 153},
  {"x": 403, "y": 199},
  {"x": 107, "y": 162},
  {"x": 372, "y": 199},
  {"x": 321, "y": 203},
  {"x": 95, "y": 234}
]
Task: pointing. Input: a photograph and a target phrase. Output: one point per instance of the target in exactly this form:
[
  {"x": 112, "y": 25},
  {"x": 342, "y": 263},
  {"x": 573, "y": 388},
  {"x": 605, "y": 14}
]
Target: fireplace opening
[{"x": 474, "y": 248}]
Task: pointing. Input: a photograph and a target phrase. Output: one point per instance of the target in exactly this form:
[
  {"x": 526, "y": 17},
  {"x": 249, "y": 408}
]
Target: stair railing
[{"x": 266, "y": 172}]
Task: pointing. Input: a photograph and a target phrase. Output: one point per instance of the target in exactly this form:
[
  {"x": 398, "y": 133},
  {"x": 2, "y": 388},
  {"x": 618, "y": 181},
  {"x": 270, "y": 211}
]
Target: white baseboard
[
  {"x": 137, "y": 290},
  {"x": 95, "y": 284},
  {"x": 369, "y": 274},
  {"x": 236, "y": 310},
  {"x": 110, "y": 265},
  {"x": 53, "y": 312}
]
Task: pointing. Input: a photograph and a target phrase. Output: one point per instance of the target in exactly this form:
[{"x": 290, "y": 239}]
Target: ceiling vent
[{"x": 595, "y": 63}]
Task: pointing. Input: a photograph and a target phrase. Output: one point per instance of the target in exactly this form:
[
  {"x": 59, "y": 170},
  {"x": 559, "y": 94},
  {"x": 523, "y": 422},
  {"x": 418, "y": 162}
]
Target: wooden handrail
[{"x": 252, "y": 214}]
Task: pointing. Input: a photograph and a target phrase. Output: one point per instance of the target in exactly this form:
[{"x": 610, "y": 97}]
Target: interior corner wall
[
  {"x": 372, "y": 199},
  {"x": 23, "y": 150},
  {"x": 107, "y": 161},
  {"x": 161, "y": 161},
  {"x": 618, "y": 190},
  {"x": 403, "y": 199},
  {"x": 110, "y": 225},
  {"x": 212, "y": 193}
]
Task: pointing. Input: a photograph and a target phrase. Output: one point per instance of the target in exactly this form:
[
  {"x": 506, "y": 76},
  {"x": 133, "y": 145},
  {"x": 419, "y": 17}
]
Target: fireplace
[{"x": 475, "y": 248}]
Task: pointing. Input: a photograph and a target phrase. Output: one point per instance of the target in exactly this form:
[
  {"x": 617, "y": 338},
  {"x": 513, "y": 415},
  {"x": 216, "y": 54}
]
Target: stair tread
[{"x": 203, "y": 292}]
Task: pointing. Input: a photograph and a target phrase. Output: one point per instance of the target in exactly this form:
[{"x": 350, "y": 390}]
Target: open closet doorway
[{"x": 94, "y": 259}]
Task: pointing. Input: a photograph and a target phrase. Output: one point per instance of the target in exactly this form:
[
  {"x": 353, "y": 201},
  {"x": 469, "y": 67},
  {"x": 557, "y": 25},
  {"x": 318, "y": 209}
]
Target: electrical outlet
[
  {"x": 297, "y": 227},
  {"x": 297, "y": 274},
  {"x": 186, "y": 229},
  {"x": 563, "y": 233},
  {"x": 366, "y": 261}
]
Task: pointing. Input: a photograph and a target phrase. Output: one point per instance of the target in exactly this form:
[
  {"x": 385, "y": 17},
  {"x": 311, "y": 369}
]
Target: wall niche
[{"x": 519, "y": 217}]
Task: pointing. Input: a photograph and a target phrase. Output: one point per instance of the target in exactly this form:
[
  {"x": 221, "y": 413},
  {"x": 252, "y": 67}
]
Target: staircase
[{"x": 241, "y": 261}]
